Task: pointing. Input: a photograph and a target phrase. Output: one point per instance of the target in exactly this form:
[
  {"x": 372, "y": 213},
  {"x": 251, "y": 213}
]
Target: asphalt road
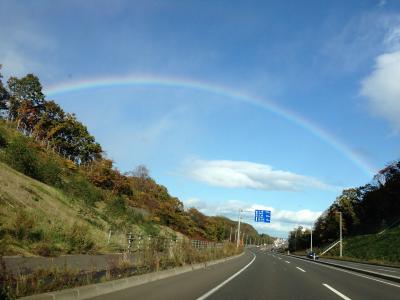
[{"x": 266, "y": 276}]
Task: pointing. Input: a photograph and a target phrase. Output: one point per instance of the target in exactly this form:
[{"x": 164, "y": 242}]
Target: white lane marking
[
  {"x": 209, "y": 293},
  {"x": 301, "y": 269},
  {"x": 387, "y": 270},
  {"x": 279, "y": 257},
  {"x": 352, "y": 273},
  {"x": 288, "y": 262},
  {"x": 336, "y": 292}
]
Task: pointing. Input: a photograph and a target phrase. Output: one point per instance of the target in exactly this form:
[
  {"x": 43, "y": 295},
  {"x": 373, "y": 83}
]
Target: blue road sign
[{"x": 262, "y": 216}]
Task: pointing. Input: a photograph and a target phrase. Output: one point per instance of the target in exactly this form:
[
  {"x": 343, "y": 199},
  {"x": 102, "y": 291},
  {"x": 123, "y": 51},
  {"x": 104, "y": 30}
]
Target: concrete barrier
[{"x": 90, "y": 291}]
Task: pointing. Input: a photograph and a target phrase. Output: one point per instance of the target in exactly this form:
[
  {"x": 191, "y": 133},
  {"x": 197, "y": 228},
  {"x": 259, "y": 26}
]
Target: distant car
[{"x": 312, "y": 255}]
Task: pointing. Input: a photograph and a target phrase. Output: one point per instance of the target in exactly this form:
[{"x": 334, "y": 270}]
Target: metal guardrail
[{"x": 329, "y": 248}]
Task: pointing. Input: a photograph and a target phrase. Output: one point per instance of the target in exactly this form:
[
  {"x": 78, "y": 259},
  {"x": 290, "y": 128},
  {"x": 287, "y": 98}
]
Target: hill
[
  {"x": 370, "y": 219},
  {"x": 381, "y": 248},
  {"x": 57, "y": 184}
]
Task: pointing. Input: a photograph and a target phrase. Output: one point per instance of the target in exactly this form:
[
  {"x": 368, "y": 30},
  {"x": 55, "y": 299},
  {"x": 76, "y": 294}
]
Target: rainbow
[{"x": 168, "y": 82}]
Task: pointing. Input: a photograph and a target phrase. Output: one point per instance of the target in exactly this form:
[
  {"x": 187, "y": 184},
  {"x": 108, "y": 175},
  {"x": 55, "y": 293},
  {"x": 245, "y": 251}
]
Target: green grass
[{"x": 383, "y": 249}]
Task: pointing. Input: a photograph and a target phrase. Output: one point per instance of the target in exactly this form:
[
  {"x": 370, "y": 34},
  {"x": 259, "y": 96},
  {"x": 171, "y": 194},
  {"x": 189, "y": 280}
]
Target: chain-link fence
[{"x": 139, "y": 243}]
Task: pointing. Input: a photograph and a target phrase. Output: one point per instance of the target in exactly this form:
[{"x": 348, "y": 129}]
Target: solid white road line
[
  {"x": 209, "y": 293},
  {"x": 336, "y": 292},
  {"x": 288, "y": 262},
  {"x": 301, "y": 269},
  {"x": 387, "y": 270},
  {"x": 351, "y": 272}
]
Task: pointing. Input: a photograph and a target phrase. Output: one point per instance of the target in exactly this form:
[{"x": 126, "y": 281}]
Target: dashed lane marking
[
  {"x": 301, "y": 269},
  {"x": 336, "y": 292}
]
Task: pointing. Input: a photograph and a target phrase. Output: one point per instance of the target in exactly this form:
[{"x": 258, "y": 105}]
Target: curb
[
  {"x": 93, "y": 290},
  {"x": 365, "y": 272}
]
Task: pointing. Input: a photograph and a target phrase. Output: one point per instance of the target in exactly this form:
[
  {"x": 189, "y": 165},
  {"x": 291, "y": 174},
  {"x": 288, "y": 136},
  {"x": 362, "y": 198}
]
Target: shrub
[
  {"x": 23, "y": 225},
  {"x": 79, "y": 187},
  {"x": 46, "y": 249},
  {"x": 3, "y": 139},
  {"x": 116, "y": 206},
  {"x": 150, "y": 229},
  {"x": 50, "y": 172},
  {"x": 22, "y": 158},
  {"x": 79, "y": 239}
]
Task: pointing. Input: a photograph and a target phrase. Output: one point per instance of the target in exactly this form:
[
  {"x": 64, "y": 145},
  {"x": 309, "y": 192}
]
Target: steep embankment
[
  {"x": 381, "y": 248},
  {"x": 38, "y": 219},
  {"x": 50, "y": 205}
]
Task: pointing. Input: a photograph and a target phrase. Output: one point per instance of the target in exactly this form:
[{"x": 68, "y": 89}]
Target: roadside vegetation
[
  {"x": 370, "y": 221},
  {"x": 152, "y": 259}
]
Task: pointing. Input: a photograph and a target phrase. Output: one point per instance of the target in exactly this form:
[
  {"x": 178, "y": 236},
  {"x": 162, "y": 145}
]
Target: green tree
[
  {"x": 72, "y": 139},
  {"x": 52, "y": 116}
]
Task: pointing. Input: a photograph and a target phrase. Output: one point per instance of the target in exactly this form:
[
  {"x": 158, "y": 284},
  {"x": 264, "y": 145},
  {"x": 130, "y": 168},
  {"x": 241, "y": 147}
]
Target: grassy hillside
[
  {"x": 38, "y": 219},
  {"x": 51, "y": 205},
  {"x": 379, "y": 248}
]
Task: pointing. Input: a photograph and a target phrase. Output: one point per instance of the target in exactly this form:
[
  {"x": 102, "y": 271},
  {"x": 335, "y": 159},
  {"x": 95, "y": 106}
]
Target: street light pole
[
  {"x": 238, "y": 230},
  {"x": 341, "y": 240}
]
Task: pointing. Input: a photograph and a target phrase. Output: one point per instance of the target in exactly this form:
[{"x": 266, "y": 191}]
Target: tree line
[{"x": 371, "y": 208}]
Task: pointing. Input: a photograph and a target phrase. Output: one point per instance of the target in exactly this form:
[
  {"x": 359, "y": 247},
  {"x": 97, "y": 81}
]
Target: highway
[{"x": 264, "y": 275}]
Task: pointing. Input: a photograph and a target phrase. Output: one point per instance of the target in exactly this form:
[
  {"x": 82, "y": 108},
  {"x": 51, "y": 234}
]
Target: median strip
[{"x": 336, "y": 292}]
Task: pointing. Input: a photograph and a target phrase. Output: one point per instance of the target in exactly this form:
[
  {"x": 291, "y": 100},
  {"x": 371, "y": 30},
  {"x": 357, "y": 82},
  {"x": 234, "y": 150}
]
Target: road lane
[
  {"x": 353, "y": 285},
  {"x": 268, "y": 277},
  {"x": 271, "y": 278},
  {"x": 190, "y": 285}
]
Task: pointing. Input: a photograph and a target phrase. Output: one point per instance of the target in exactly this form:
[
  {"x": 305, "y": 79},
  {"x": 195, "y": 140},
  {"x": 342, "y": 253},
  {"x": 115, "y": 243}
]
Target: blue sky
[{"x": 332, "y": 64}]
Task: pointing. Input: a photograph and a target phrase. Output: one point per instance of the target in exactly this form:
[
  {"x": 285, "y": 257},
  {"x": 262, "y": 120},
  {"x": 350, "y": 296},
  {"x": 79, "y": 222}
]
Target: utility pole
[
  {"x": 230, "y": 236},
  {"x": 238, "y": 230},
  {"x": 340, "y": 231}
]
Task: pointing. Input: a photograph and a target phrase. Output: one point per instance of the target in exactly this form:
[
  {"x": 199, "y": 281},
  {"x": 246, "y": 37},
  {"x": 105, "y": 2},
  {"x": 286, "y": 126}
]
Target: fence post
[
  {"x": 129, "y": 242},
  {"x": 109, "y": 237}
]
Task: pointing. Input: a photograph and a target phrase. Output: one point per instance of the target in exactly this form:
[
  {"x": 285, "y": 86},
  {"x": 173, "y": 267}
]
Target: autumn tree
[
  {"x": 4, "y": 95},
  {"x": 26, "y": 101}
]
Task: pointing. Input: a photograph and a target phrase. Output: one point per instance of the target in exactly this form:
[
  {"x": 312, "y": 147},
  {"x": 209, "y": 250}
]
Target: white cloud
[
  {"x": 244, "y": 174},
  {"x": 282, "y": 221},
  {"x": 382, "y": 86}
]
